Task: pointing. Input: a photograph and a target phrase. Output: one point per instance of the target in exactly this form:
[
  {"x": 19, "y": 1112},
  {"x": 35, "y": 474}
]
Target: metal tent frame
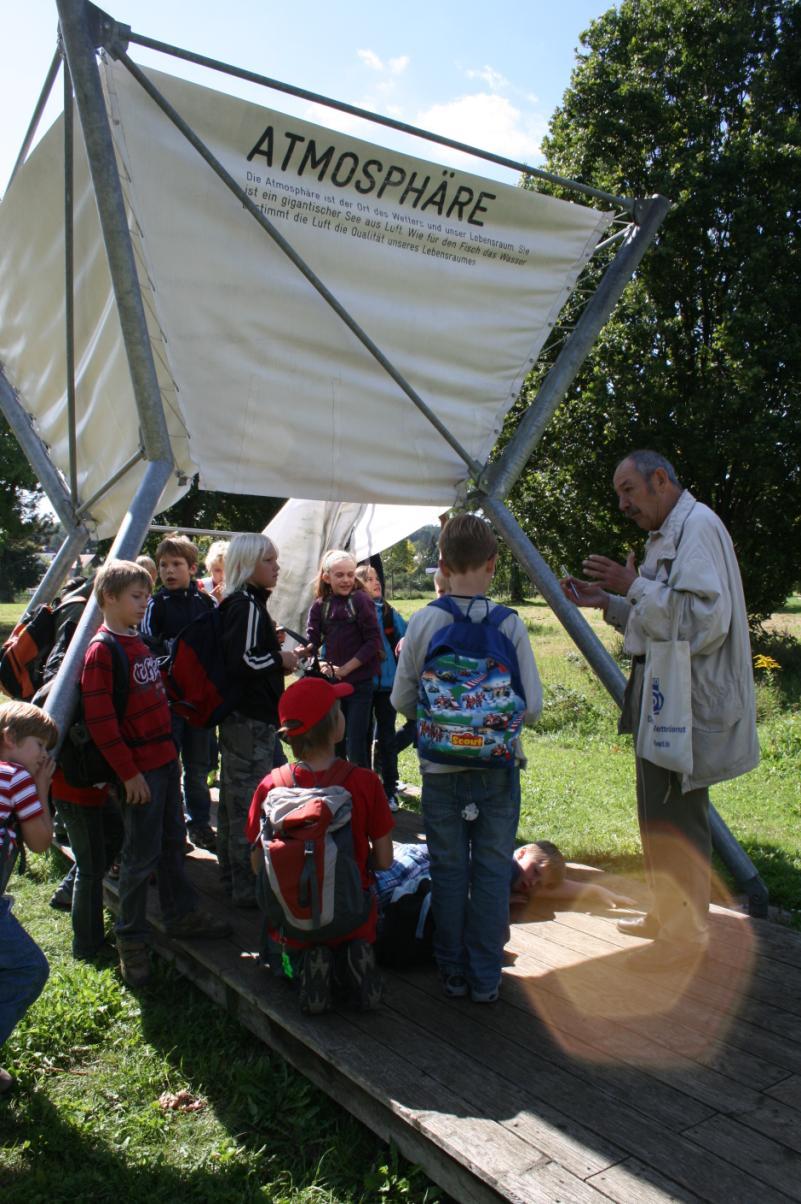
[{"x": 84, "y": 29}]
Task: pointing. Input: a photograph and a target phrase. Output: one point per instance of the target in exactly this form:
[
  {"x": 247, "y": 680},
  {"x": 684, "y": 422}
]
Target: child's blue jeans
[
  {"x": 155, "y": 836},
  {"x": 470, "y": 868},
  {"x": 95, "y": 837},
  {"x": 23, "y": 970},
  {"x": 194, "y": 749}
]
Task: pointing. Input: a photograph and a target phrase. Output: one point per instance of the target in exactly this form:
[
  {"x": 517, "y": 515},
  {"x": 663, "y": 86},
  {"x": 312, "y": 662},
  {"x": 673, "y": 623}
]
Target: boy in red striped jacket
[{"x": 141, "y": 752}]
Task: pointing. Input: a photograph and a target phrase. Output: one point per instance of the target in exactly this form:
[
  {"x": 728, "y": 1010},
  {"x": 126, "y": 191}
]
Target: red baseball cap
[{"x": 308, "y": 701}]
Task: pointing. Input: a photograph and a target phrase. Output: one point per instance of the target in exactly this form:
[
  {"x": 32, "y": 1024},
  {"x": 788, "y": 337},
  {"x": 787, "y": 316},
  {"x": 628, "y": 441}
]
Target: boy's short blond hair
[
  {"x": 147, "y": 562},
  {"x": 180, "y": 547},
  {"x": 317, "y": 738},
  {"x": 466, "y": 542},
  {"x": 21, "y": 719},
  {"x": 116, "y": 575}
]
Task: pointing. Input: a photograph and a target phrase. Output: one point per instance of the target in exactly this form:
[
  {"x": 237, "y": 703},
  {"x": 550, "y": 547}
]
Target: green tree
[
  {"x": 20, "y": 532},
  {"x": 399, "y": 565},
  {"x": 216, "y": 511},
  {"x": 699, "y": 100}
]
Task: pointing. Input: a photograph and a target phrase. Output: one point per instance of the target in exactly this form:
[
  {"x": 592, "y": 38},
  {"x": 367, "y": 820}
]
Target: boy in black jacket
[{"x": 168, "y": 613}]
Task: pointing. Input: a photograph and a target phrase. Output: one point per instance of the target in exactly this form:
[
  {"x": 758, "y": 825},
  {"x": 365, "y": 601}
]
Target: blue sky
[{"x": 489, "y": 75}]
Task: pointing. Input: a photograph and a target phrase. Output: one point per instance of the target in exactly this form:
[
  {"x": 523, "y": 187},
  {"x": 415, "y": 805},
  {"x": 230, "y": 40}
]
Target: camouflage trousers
[{"x": 247, "y": 748}]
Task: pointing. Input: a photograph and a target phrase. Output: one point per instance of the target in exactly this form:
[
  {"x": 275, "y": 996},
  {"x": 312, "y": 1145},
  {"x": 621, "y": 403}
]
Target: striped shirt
[{"x": 18, "y": 797}]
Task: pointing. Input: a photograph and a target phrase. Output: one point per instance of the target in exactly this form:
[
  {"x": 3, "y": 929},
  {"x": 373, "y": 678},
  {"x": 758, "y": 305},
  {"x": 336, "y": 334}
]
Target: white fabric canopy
[
  {"x": 303, "y": 530},
  {"x": 457, "y": 278}
]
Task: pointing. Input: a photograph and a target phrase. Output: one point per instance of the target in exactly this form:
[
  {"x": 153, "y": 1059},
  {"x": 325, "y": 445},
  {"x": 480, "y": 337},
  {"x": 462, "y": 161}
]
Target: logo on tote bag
[{"x": 657, "y": 697}]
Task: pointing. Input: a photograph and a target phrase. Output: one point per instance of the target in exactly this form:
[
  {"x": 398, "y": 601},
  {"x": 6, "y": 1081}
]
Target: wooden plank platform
[{"x": 586, "y": 1082}]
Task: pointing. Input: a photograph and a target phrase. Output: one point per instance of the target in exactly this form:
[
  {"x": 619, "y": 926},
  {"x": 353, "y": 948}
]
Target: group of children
[{"x": 374, "y": 665}]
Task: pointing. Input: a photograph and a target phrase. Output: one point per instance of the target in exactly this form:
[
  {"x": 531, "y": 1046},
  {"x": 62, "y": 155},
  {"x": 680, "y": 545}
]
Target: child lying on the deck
[
  {"x": 405, "y": 924},
  {"x": 540, "y": 869}
]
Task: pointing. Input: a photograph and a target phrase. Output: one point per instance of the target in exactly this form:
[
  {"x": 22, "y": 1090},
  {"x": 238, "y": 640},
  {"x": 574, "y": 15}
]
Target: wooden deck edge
[{"x": 443, "y": 1169}]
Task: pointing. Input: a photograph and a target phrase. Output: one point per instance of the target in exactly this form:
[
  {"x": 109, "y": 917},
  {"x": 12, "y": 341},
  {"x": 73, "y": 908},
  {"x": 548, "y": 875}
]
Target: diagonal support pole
[
  {"x": 611, "y": 677},
  {"x": 499, "y": 477},
  {"x": 36, "y": 453},
  {"x": 79, "y": 47},
  {"x": 61, "y": 701},
  {"x": 71, "y": 547}
]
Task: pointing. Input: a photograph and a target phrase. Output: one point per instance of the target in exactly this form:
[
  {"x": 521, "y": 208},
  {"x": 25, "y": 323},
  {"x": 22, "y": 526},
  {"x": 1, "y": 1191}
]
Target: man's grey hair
[{"x": 646, "y": 462}]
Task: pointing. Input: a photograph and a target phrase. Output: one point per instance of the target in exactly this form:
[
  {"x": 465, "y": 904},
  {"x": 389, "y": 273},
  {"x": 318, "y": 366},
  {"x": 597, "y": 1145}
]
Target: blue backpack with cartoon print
[{"x": 471, "y": 703}]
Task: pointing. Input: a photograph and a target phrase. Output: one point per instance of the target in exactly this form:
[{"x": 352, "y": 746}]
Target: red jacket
[{"x": 144, "y": 738}]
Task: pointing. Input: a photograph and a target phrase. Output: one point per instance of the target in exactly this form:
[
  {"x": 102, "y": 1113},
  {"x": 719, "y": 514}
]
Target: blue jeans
[
  {"x": 194, "y": 749},
  {"x": 385, "y": 715},
  {"x": 470, "y": 868},
  {"x": 95, "y": 838},
  {"x": 23, "y": 970},
  {"x": 356, "y": 709},
  {"x": 155, "y": 836}
]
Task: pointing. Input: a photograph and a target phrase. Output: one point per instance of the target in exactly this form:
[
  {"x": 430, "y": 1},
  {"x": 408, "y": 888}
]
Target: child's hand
[
  {"x": 137, "y": 790},
  {"x": 43, "y": 777}
]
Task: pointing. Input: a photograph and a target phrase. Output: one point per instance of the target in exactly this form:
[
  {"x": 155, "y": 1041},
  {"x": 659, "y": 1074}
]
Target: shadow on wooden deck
[{"x": 586, "y": 1082}]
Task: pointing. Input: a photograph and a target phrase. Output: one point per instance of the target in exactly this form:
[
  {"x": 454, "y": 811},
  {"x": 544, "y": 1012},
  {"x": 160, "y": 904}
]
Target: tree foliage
[
  {"x": 699, "y": 100},
  {"x": 20, "y": 530},
  {"x": 216, "y": 511}
]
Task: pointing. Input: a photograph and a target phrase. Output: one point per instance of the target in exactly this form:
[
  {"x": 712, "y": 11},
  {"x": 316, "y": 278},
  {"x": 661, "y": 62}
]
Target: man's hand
[
  {"x": 137, "y": 790},
  {"x": 584, "y": 593},
  {"x": 613, "y": 577}
]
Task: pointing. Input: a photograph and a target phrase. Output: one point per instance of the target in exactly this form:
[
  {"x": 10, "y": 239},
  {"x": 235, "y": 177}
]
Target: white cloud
[
  {"x": 398, "y": 66},
  {"x": 370, "y": 59},
  {"x": 488, "y": 122},
  {"x": 395, "y": 66},
  {"x": 489, "y": 76}
]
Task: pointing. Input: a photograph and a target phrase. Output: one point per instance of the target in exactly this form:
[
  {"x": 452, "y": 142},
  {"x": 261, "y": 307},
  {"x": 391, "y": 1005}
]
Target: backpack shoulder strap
[
  {"x": 282, "y": 776},
  {"x": 119, "y": 669},
  {"x": 447, "y": 604},
  {"x": 499, "y": 614}
]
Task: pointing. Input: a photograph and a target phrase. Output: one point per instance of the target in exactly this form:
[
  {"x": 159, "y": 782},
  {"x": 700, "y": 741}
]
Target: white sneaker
[{"x": 394, "y": 805}]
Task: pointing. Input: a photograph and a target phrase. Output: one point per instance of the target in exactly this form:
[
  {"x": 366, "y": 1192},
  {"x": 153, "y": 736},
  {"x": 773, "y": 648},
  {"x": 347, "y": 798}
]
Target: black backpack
[{"x": 79, "y": 758}]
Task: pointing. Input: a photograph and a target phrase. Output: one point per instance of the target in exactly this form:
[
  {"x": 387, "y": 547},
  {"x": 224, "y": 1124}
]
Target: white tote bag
[{"x": 665, "y": 735}]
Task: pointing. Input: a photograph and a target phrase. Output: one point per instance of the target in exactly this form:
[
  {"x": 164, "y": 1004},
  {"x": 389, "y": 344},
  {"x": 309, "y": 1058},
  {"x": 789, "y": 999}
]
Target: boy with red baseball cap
[{"x": 313, "y": 723}]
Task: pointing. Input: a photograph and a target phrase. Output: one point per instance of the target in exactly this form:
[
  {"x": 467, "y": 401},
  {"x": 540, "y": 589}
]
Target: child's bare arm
[
  {"x": 381, "y": 852},
  {"x": 590, "y": 893},
  {"x": 37, "y": 833}
]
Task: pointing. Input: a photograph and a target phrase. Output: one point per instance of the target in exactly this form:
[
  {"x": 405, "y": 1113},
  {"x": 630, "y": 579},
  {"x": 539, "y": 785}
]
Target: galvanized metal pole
[
  {"x": 30, "y": 133},
  {"x": 133, "y": 529},
  {"x": 49, "y": 477},
  {"x": 69, "y": 283},
  {"x": 607, "y": 670},
  {"x": 571, "y": 618},
  {"x": 498, "y": 478},
  {"x": 376, "y": 118},
  {"x": 79, "y": 47},
  {"x": 72, "y": 545}
]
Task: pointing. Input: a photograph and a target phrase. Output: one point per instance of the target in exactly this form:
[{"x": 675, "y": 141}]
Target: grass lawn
[
  {"x": 94, "y": 1059},
  {"x": 578, "y": 788}
]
